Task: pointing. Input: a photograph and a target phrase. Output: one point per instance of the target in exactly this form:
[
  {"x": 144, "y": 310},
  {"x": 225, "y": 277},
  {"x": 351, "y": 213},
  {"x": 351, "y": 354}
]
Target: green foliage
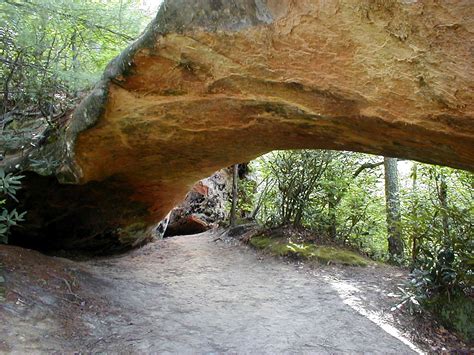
[
  {"x": 438, "y": 219},
  {"x": 454, "y": 309},
  {"x": 246, "y": 196},
  {"x": 51, "y": 50},
  {"x": 9, "y": 185},
  {"x": 441, "y": 226},
  {"x": 329, "y": 192},
  {"x": 291, "y": 178}
]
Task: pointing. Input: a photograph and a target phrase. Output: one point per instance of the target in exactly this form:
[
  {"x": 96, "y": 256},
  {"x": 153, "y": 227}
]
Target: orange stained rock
[{"x": 394, "y": 78}]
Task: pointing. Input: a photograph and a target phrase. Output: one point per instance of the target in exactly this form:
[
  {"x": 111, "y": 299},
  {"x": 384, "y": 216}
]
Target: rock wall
[{"x": 214, "y": 82}]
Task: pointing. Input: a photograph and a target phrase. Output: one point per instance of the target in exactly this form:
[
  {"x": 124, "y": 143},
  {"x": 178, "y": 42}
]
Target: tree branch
[{"x": 366, "y": 166}]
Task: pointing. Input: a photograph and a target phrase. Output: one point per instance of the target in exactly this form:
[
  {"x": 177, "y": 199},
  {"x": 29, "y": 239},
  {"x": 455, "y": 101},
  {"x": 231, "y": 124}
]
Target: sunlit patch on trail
[{"x": 349, "y": 295}]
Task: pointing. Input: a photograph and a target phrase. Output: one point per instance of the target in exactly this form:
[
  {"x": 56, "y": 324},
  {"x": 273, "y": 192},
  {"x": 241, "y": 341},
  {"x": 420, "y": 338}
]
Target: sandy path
[{"x": 191, "y": 294}]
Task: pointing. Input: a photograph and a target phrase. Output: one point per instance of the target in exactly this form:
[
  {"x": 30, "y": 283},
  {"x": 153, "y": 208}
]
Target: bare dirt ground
[{"x": 196, "y": 294}]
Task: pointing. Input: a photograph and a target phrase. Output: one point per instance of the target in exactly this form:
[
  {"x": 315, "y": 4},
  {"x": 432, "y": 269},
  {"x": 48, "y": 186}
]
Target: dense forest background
[{"x": 53, "y": 51}]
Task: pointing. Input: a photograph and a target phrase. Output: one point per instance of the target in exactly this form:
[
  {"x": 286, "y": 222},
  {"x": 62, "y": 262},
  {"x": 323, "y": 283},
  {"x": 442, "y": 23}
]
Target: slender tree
[
  {"x": 416, "y": 237},
  {"x": 392, "y": 198},
  {"x": 443, "y": 200},
  {"x": 235, "y": 179}
]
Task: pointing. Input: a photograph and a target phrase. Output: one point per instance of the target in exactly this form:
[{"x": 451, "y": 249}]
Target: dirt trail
[{"x": 192, "y": 294}]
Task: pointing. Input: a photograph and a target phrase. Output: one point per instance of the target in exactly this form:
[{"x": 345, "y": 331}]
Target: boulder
[{"x": 214, "y": 82}]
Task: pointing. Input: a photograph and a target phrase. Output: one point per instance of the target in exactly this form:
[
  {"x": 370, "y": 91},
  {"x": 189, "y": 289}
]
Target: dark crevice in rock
[{"x": 186, "y": 226}]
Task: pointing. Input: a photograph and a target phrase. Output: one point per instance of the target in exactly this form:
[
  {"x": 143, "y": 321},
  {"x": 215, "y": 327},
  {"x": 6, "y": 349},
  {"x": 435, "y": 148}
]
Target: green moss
[
  {"x": 260, "y": 242},
  {"x": 302, "y": 250},
  {"x": 133, "y": 232},
  {"x": 339, "y": 256},
  {"x": 280, "y": 249},
  {"x": 307, "y": 251}
]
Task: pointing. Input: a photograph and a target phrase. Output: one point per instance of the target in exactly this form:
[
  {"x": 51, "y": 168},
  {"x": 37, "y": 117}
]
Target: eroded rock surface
[{"x": 214, "y": 82}]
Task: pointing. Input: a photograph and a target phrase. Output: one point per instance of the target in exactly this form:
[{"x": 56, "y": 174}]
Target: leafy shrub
[
  {"x": 442, "y": 283},
  {"x": 9, "y": 185},
  {"x": 438, "y": 222}
]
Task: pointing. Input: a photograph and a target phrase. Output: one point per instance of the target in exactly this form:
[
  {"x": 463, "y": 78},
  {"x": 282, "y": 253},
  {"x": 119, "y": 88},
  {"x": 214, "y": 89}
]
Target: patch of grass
[{"x": 307, "y": 251}]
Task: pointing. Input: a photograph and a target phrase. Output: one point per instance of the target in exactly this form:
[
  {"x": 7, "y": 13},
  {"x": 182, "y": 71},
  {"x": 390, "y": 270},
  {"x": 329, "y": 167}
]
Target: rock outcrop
[
  {"x": 203, "y": 208},
  {"x": 214, "y": 82}
]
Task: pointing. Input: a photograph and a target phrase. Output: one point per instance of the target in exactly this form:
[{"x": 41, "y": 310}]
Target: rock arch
[{"x": 214, "y": 82}]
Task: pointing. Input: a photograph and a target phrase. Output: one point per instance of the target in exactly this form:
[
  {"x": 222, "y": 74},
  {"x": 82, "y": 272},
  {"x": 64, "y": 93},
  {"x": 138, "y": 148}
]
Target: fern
[{"x": 9, "y": 185}]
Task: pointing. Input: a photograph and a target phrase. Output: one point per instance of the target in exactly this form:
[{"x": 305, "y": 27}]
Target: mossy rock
[{"x": 307, "y": 251}]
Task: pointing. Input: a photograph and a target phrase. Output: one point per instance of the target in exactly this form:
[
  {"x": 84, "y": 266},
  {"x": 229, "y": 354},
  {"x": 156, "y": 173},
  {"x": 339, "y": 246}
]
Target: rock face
[
  {"x": 203, "y": 207},
  {"x": 214, "y": 82}
]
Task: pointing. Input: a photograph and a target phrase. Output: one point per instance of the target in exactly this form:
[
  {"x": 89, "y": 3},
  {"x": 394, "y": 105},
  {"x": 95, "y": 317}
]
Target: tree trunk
[
  {"x": 233, "y": 211},
  {"x": 75, "y": 54},
  {"x": 392, "y": 198},
  {"x": 332, "y": 217},
  {"x": 443, "y": 200},
  {"x": 416, "y": 238}
]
